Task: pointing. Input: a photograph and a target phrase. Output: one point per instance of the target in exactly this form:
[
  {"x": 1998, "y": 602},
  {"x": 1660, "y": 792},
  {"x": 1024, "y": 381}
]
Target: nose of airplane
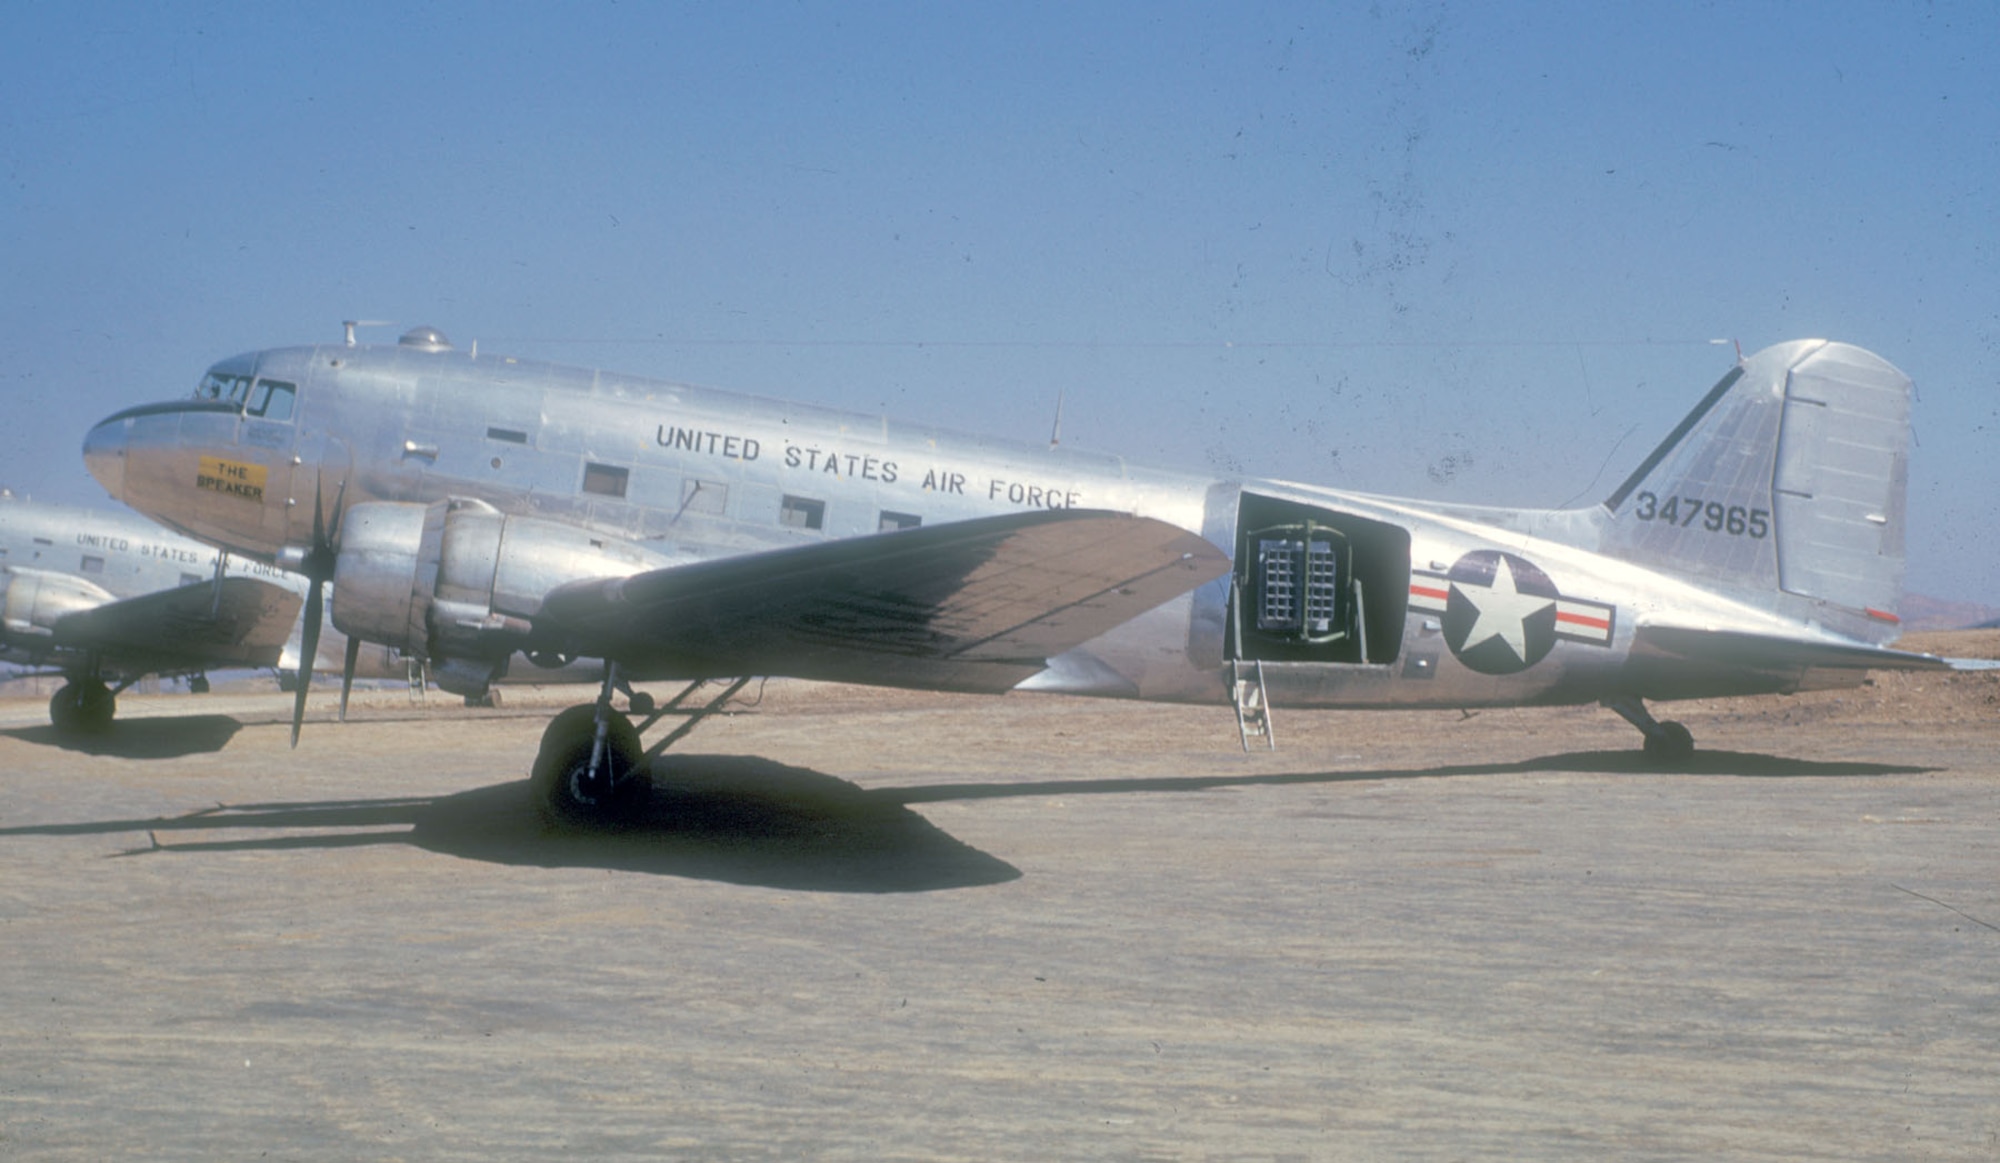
[{"x": 104, "y": 455}]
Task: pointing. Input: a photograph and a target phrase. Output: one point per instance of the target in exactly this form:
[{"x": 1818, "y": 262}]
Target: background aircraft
[
  {"x": 58, "y": 560},
  {"x": 108, "y": 598},
  {"x": 469, "y": 507}
]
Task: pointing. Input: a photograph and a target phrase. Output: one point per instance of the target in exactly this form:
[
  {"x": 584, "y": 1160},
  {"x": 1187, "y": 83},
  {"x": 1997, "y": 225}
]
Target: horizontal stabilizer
[
  {"x": 190, "y": 628},
  {"x": 1973, "y": 663},
  {"x": 1772, "y": 653},
  {"x": 971, "y": 605}
]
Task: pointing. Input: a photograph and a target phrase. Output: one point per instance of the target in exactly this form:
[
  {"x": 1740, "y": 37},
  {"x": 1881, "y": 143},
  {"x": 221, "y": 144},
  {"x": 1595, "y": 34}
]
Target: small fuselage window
[
  {"x": 802, "y": 513},
  {"x": 891, "y": 520},
  {"x": 606, "y": 480}
]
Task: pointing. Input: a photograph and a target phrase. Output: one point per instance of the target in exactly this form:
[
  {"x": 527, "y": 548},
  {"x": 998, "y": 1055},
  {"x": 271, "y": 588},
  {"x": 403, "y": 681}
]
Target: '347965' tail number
[{"x": 1735, "y": 520}]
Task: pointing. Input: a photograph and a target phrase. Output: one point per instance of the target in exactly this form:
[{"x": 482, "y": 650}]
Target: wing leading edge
[{"x": 968, "y": 606}]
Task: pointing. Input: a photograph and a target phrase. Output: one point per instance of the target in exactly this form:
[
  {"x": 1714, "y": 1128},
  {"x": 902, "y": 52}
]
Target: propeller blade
[
  {"x": 308, "y": 654},
  {"x": 347, "y": 674},
  {"x": 339, "y": 504},
  {"x": 319, "y": 531}
]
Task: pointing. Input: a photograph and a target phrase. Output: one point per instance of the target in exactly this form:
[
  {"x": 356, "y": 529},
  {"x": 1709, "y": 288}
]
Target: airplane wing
[
  {"x": 970, "y": 606},
  {"x": 188, "y": 628}
]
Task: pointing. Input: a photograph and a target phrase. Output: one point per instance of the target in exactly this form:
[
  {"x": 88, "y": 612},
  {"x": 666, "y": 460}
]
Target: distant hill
[{"x": 1927, "y": 613}]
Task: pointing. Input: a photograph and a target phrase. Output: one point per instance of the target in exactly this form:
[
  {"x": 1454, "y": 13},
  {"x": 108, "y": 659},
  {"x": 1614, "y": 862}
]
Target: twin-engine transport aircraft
[
  {"x": 108, "y": 598},
  {"x": 472, "y": 506}
]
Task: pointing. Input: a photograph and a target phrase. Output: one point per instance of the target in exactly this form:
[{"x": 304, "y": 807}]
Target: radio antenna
[
  {"x": 348, "y": 326},
  {"x": 1055, "y": 433}
]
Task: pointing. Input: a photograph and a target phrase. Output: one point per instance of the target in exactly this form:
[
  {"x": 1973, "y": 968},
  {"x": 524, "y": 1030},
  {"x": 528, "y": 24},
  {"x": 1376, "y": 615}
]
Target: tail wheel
[
  {"x": 569, "y": 791},
  {"x": 1673, "y": 743}
]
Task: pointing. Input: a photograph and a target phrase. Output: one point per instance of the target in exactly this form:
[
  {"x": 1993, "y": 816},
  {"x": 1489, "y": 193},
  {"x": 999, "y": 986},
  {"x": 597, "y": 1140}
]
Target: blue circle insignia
[{"x": 1500, "y": 616}]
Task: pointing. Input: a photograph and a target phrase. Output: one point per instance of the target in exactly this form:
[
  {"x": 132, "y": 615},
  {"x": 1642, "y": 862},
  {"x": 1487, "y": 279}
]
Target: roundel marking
[{"x": 1500, "y": 616}]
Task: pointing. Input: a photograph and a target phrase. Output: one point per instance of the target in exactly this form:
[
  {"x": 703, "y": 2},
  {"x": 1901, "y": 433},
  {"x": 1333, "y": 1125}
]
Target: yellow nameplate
[{"x": 231, "y": 478}]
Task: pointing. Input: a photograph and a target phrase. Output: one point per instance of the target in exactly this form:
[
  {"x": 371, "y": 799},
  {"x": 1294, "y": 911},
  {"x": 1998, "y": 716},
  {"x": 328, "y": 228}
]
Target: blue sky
[{"x": 1463, "y": 251}]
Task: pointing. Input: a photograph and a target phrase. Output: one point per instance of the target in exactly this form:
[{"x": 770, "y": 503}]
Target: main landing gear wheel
[
  {"x": 570, "y": 792},
  {"x": 83, "y": 707}
]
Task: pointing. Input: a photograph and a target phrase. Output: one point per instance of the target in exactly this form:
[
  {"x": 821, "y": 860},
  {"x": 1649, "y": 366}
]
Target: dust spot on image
[{"x": 1445, "y": 469}]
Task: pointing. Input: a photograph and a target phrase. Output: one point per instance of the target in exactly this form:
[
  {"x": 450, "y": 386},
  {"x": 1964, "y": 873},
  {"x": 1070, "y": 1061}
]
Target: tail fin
[{"x": 1786, "y": 481}]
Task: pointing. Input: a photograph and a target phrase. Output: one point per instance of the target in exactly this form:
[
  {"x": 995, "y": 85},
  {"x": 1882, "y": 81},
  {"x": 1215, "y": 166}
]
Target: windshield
[
  {"x": 225, "y": 386},
  {"x": 270, "y": 399}
]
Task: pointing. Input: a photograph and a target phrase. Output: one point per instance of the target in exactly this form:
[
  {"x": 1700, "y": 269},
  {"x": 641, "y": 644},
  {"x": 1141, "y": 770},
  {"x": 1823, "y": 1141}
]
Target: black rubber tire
[
  {"x": 83, "y": 707},
  {"x": 562, "y": 787},
  {"x": 1674, "y": 743},
  {"x": 63, "y": 709}
]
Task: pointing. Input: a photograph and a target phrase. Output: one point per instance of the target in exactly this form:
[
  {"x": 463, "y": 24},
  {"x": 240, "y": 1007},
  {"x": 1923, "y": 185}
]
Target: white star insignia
[{"x": 1503, "y": 611}]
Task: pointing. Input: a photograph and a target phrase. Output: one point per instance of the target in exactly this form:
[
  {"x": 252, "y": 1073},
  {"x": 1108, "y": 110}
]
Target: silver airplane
[
  {"x": 473, "y": 507},
  {"x": 108, "y": 598}
]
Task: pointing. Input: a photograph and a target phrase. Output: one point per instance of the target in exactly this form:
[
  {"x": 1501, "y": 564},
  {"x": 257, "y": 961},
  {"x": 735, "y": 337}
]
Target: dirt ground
[{"x": 876, "y": 925}]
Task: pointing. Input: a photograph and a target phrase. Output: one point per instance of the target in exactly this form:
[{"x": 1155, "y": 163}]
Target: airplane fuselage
[{"x": 1345, "y": 599}]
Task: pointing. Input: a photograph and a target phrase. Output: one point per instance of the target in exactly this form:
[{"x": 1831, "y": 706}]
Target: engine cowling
[
  {"x": 459, "y": 582},
  {"x": 36, "y": 599}
]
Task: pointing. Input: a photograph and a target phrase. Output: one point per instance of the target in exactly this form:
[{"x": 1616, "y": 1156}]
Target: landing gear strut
[
  {"x": 1669, "y": 742},
  {"x": 590, "y": 770}
]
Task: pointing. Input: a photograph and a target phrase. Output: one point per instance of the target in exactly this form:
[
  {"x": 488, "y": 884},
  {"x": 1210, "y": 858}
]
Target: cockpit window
[
  {"x": 272, "y": 400},
  {"x": 222, "y": 386}
]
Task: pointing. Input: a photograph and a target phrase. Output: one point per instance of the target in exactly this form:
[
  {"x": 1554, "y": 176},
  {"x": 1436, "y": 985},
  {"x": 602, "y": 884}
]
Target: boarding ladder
[{"x": 1253, "y": 705}]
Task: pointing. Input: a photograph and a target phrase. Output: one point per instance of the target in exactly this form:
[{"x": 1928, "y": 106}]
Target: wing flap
[
  {"x": 189, "y": 628},
  {"x": 972, "y": 605}
]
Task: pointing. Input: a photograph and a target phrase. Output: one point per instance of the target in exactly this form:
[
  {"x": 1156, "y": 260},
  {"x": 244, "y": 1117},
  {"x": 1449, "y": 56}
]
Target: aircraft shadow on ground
[
  {"x": 745, "y": 820},
  {"x": 141, "y": 738},
  {"x": 737, "y": 820},
  {"x": 1634, "y": 762}
]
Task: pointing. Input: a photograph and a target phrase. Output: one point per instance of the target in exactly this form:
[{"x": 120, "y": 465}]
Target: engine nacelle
[
  {"x": 459, "y": 582},
  {"x": 36, "y": 599}
]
